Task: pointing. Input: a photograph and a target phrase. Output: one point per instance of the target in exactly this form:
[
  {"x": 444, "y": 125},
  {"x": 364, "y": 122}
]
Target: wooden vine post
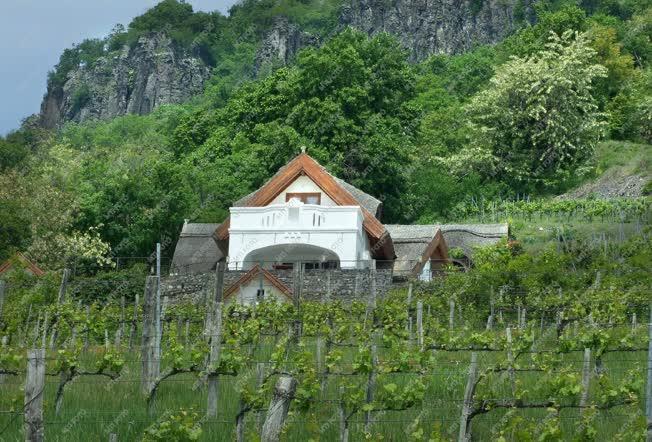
[
  {"x": 34, "y": 387},
  {"x": 284, "y": 391},
  {"x": 215, "y": 336},
  {"x": 467, "y": 405},
  {"x": 344, "y": 424}
]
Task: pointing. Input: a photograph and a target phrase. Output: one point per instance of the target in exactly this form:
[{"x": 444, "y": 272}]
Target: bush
[{"x": 180, "y": 427}]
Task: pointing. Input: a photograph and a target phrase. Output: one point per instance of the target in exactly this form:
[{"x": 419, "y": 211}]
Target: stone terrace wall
[{"x": 345, "y": 284}]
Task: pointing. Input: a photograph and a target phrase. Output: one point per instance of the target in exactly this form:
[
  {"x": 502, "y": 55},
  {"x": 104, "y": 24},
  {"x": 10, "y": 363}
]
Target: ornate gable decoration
[{"x": 303, "y": 164}]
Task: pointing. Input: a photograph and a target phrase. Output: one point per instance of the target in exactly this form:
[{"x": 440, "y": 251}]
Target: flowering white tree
[
  {"x": 538, "y": 119},
  {"x": 61, "y": 249}
]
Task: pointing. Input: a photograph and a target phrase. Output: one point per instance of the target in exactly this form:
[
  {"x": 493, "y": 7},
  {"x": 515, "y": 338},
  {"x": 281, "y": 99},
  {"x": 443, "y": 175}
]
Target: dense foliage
[{"x": 424, "y": 138}]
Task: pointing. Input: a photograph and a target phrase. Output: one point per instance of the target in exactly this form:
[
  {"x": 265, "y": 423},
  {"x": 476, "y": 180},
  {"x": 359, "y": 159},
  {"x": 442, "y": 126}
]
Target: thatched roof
[
  {"x": 469, "y": 236},
  {"x": 411, "y": 241},
  {"x": 370, "y": 203},
  {"x": 196, "y": 250}
]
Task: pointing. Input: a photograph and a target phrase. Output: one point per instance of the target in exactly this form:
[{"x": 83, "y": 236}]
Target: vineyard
[
  {"x": 615, "y": 209},
  {"x": 425, "y": 363}
]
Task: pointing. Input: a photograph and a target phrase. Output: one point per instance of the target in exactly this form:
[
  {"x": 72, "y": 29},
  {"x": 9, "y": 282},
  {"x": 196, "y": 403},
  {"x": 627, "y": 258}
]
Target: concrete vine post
[
  {"x": 215, "y": 335},
  {"x": 134, "y": 319},
  {"x": 157, "y": 311},
  {"x": 61, "y": 298},
  {"x": 3, "y": 287},
  {"x": 371, "y": 383},
  {"x": 451, "y": 314},
  {"x": 586, "y": 379},
  {"x": 44, "y": 337},
  {"x": 121, "y": 330},
  {"x": 510, "y": 362},
  {"x": 344, "y": 425},
  {"x": 296, "y": 292},
  {"x": 26, "y": 326},
  {"x": 409, "y": 313},
  {"x": 648, "y": 389},
  {"x": 37, "y": 330},
  {"x": 490, "y": 319},
  {"x": 277, "y": 412},
  {"x": 64, "y": 286},
  {"x": 34, "y": 387},
  {"x": 149, "y": 355},
  {"x": 87, "y": 331},
  {"x": 420, "y": 323},
  {"x": 260, "y": 376}
]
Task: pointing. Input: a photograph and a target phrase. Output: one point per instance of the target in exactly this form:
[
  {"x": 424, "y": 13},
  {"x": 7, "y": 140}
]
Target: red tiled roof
[{"x": 251, "y": 274}]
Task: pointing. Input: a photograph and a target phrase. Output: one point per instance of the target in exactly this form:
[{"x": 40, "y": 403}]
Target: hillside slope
[{"x": 621, "y": 170}]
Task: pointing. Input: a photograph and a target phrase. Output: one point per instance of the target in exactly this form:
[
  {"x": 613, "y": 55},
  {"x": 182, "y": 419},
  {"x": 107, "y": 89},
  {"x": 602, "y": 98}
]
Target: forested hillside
[{"x": 429, "y": 138}]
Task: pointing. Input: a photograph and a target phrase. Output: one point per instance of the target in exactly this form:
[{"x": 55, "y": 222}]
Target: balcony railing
[{"x": 297, "y": 216}]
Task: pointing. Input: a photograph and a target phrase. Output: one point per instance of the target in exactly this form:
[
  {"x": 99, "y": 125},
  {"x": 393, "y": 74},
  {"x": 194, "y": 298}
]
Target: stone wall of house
[{"x": 345, "y": 284}]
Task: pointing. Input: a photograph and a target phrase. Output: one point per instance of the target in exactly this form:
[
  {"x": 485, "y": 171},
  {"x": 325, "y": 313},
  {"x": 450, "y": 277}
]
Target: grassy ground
[
  {"x": 627, "y": 158},
  {"x": 614, "y": 160}
]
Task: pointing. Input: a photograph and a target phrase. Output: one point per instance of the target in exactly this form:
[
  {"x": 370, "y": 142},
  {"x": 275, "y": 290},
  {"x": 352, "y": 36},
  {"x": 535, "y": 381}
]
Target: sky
[{"x": 34, "y": 33}]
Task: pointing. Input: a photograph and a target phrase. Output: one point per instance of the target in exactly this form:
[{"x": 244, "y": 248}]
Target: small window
[
  {"x": 305, "y": 198},
  {"x": 284, "y": 266}
]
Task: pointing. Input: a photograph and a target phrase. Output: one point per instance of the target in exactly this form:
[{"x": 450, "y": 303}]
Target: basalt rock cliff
[
  {"x": 427, "y": 27},
  {"x": 154, "y": 71},
  {"x": 135, "y": 80}
]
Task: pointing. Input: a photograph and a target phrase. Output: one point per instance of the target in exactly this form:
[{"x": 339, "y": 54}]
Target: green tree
[
  {"x": 348, "y": 101},
  {"x": 538, "y": 119}
]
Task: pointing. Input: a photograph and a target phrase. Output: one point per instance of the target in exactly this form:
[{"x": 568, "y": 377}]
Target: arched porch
[{"x": 287, "y": 256}]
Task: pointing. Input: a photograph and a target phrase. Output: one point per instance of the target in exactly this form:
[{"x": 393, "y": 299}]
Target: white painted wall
[
  {"x": 327, "y": 226},
  {"x": 426, "y": 273},
  {"x": 303, "y": 184},
  {"x": 334, "y": 228},
  {"x": 247, "y": 292}
]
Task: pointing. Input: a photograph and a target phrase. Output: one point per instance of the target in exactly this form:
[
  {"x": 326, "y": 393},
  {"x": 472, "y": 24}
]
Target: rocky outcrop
[
  {"x": 427, "y": 27},
  {"x": 135, "y": 80},
  {"x": 281, "y": 44},
  {"x": 154, "y": 71},
  {"x": 615, "y": 184}
]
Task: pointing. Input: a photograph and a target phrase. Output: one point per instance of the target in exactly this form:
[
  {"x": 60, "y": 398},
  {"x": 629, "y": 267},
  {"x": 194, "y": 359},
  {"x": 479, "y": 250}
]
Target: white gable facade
[{"x": 301, "y": 224}]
